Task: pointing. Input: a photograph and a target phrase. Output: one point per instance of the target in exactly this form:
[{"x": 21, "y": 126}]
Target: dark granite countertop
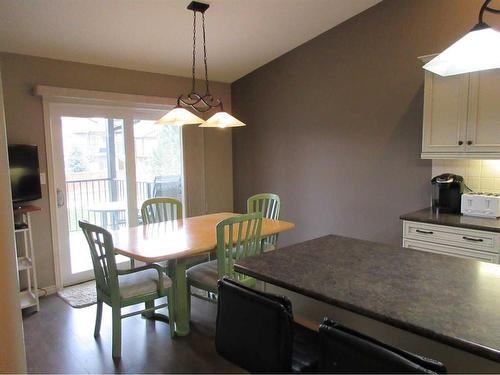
[
  {"x": 452, "y": 300},
  {"x": 453, "y": 220}
]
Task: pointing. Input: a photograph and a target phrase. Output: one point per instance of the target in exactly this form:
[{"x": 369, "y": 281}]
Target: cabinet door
[
  {"x": 445, "y": 113},
  {"x": 483, "y": 123}
]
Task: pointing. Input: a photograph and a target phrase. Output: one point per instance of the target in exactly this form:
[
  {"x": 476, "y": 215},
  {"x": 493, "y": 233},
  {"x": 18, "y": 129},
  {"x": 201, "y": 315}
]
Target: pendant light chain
[
  {"x": 193, "y": 68},
  {"x": 195, "y": 101},
  {"x": 207, "y": 91}
]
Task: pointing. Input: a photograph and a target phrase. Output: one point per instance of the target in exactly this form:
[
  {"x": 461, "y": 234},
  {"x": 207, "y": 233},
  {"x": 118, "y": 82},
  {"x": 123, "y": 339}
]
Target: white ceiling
[{"x": 156, "y": 35}]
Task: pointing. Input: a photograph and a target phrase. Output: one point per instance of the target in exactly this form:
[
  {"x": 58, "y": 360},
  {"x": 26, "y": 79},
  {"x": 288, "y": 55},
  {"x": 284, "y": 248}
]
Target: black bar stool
[
  {"x": 256, "y": 331},
  {"x": 343, "y": 350}
]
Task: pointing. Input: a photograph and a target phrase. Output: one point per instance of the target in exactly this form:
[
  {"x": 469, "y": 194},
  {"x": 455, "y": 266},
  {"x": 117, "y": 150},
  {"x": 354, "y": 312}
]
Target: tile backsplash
[{"x": 479, "y": 175}]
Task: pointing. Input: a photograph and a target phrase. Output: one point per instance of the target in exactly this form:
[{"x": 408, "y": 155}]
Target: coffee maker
[{"x": 447, "y": 192}]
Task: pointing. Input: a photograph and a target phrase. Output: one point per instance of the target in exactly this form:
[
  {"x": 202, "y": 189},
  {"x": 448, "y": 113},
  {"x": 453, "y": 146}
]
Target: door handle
[
  {"x": 60, "y": 198},
  {"x": 424, "y": 231}
]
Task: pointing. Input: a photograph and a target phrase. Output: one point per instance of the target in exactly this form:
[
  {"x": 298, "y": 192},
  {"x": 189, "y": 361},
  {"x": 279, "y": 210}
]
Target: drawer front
[
  {"x": 442, "y": 234},
  {"x": 450, "y": 250}
]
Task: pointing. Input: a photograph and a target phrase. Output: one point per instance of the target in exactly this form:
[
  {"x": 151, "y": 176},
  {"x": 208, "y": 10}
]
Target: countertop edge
[
  {"x": 412, "y": 217},
  {"x": 468, "y": 346}
]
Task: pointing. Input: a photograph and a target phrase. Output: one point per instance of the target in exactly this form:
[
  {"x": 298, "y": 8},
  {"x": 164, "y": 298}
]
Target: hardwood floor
[{"x": 59, "y": 339}]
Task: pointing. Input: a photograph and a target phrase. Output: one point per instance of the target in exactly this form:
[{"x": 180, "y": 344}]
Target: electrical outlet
[{"x": 43, "y": 179}]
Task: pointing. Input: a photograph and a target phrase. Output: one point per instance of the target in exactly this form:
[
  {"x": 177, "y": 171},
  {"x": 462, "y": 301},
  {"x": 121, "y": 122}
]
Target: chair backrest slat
[
  {"x": 156, "y": 210},
  {"x": 103, "y": 257},
  {"x": 269, "y": 205},
  {"x": 237, "y": 237}
]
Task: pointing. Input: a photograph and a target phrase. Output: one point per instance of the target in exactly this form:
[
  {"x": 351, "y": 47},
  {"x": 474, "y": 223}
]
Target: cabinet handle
[
  {"x": 460, "y": 143},
  {"x": 424, "y": 231},
  {"x": 469, "y": 142},
  {"x": 472, "y": 239}
]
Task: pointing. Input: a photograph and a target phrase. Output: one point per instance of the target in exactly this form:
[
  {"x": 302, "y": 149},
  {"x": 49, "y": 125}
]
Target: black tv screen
[{"x": 24, "y": 173}]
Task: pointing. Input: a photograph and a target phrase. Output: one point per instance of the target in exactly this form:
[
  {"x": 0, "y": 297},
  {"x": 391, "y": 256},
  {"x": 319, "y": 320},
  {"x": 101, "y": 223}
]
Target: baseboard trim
[{"x": 51, "y": 289}]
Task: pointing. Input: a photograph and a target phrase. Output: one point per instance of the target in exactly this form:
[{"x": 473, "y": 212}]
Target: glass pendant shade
[
  {"x": 178, "y": 117},
  {"x": 477, "y": 50},
  {"x": 222, "y": 120}
]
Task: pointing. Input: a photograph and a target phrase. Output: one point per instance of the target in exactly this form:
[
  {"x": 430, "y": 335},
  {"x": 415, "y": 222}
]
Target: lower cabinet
[{"x": 460, "y": 242}]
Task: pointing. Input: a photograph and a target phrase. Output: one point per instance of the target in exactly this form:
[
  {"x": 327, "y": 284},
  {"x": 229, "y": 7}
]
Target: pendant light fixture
[
  {"x": 477, "y": 50},
  {"x": 195, "y": 101}
]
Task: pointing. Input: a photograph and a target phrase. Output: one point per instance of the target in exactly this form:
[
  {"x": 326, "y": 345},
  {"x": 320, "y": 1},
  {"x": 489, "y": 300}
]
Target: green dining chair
[
  {"x": 156, "y": 210},
  {"x": 269, "y": 205},
  {"x": 160, "y": 209},
  {"x": 237, "y": 237},
  {"x": 122, "y": 288}
]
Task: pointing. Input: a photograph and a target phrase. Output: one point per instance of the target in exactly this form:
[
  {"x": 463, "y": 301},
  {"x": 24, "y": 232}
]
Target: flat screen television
[{"x": 24, "y": 173}]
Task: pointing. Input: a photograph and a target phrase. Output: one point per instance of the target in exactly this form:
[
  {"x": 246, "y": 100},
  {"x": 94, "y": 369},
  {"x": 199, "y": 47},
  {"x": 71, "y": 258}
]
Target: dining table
[{"x": 176, "y": 242}]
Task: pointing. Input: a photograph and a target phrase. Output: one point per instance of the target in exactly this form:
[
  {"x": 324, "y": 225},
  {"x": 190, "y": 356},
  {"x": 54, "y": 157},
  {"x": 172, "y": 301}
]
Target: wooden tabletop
[{"x": 179, "y": 238}]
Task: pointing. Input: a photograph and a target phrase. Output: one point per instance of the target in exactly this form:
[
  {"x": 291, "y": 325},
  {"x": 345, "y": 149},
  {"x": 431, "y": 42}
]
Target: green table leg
[{"x": 177, "y": 271}]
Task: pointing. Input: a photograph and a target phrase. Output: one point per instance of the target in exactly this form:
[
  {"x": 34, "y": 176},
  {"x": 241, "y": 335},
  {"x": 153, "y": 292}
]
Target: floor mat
[{"x": 80, "y": 295}]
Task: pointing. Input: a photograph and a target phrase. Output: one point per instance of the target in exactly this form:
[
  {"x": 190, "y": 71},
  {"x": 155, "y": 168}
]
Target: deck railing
[{"x": 82, "y": 194}]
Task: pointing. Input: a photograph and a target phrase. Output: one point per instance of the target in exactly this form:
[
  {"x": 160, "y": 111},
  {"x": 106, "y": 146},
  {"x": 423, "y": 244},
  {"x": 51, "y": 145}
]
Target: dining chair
[
  {"x": 237, "y": 237},
  {"x": 269, "y": 205},
  {"x": 167, "y": 186},
  {"x": 122, "y": 288},
  {"x": 156, "y": 210},
  {"x": 256, "y": 331},
  {"x": 161, "y": 209},
  {"x": 343, "y": 350}
]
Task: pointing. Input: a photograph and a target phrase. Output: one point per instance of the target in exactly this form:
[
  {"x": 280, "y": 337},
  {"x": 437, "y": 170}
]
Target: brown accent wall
[
  {"x": 334, "y": 126},
  {"x": 24, "y": 117}
]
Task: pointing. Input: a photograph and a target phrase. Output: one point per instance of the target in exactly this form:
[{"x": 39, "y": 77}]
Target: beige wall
[
  {"x": 24, "y": 117},
  {"x": 335, "y": 126},
  {"x": 12, "y": 354}
]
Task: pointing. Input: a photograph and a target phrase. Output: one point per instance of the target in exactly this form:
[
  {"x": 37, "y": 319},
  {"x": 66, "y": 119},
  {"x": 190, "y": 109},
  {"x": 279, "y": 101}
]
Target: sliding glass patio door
[{"x": 111, "y": 160}]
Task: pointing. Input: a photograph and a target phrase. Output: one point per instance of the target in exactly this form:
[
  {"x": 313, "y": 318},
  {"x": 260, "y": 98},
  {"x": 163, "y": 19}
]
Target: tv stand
[{"x": 26, "y": 255}]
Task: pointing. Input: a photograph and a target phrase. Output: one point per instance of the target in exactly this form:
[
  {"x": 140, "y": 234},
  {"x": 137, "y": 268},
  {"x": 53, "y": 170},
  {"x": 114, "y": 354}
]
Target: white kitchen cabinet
[
  {"x": 445, "y": 113},
  {"x": 454, "y": 241},
  {"x": 483, "y": 120},
  {"x": 461, "y": 115}
]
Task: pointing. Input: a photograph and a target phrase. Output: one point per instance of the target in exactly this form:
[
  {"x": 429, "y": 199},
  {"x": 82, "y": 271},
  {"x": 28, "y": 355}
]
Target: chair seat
[
  {"x": 268, "y": 247},
  {"x": 141, "y": 282},
  {"x": 204, "y": 274}
]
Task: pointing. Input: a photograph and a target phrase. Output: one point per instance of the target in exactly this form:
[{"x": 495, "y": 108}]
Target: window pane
[
  {"x": 158, "y": 160},
  {"x": 94, "y": 165}
]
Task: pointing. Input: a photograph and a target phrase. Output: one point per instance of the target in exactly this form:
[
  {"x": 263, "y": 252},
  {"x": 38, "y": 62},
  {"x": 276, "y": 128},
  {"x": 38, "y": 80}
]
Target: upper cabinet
[
  {"x": 461, "y": 115},
  {"x": 483, "y": 119}
]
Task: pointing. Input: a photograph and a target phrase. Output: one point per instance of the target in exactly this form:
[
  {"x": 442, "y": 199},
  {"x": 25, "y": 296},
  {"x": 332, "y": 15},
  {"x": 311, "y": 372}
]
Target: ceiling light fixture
[
  {"x": 477, "y": 50},
  {"x": 200, "y": 103}
]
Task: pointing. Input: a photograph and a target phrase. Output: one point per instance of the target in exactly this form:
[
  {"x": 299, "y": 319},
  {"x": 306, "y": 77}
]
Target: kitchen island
[{"x": 450, "y": 300}]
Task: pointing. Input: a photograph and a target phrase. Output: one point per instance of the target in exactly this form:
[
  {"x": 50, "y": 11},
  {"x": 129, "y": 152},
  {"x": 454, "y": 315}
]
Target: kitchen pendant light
[
  {"x": 222, "y": 120},
  {"x": 179, "y": 116},
  {"x": 477, "y": 50},
  {"x": 200, "y": 103}
]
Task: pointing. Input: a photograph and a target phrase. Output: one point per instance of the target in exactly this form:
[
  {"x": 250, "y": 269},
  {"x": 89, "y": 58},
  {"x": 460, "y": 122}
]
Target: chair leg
[
  {"x": 132, "y": 263},
  {"x": 98, "y": 318},
  {"x": 171, "y": 312},
  {"x": 148, "y": 305},
  {"x": 117, "y": 332}
]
